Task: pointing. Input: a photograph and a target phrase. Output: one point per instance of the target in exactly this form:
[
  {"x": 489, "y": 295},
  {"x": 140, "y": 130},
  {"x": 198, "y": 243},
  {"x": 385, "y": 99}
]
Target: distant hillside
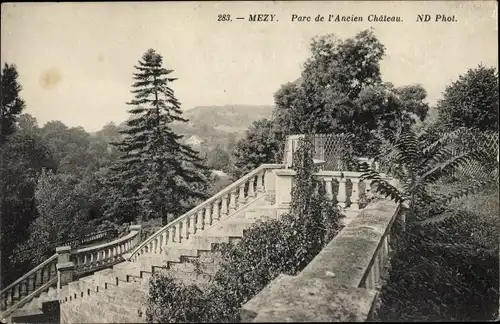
[
  {"x": 220, "y": 125},
  {"x": 229, "y": 118}
]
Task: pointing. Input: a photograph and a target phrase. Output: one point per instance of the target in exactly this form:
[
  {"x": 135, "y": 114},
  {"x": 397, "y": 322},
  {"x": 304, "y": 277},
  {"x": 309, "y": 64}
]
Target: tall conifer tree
[{"x": 156, "y": 174}]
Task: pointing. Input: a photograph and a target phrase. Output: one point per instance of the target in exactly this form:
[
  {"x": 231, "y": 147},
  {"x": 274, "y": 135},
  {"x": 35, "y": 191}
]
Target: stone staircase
[
  {"x": 184, "y": 248},
  {"x": 120, "y": 294}
]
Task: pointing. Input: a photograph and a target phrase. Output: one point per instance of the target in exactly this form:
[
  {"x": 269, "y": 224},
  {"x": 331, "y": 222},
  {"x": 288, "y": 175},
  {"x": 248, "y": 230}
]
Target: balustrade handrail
[
  {"x": 29, "y": 273},
  {"x": 85, "y": 239},
  {"x": 108, "y": 244},
  {"x": 204, "y": 204}
]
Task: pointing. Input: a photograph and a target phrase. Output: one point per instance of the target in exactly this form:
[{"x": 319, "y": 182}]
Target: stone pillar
[
  {"x": 284, "y": 179},
  {"x": 270, "y": 185},
  {"x": 65, "y": 268},
  {"x": 137, "y": 239}
]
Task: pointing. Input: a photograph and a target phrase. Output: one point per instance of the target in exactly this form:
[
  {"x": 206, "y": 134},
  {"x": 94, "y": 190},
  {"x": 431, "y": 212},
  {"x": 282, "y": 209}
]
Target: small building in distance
[{"x": 194, "y": 141}]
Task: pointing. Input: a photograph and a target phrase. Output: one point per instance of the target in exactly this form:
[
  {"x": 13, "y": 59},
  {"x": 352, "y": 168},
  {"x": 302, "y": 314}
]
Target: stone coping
[{"x": 330, "y": 287}]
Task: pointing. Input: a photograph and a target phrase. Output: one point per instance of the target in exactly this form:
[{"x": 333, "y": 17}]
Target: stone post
[
  {"x": 270, "y": 185},
  {"x": 291, "y": 146},
  {"x": 65, "y": 268},
  {"x": 284, "y": 183},
  {"x": 137, "y": 239}
]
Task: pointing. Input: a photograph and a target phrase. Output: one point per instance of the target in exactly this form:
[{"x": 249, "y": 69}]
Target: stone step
[
  {"x": 261, "y": 212},
  {"x": 76, "y": 311},
  {"x": 187, "y": 277},
  {"x": 130, "y": 291},
  {"x": 191, "y": 266},
  {"x": 231, "y": 229},
  {"x": 96, "y": 311}
]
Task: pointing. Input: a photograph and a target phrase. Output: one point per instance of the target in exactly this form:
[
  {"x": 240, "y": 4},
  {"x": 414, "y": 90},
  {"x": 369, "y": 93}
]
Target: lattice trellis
[
  {"x": 486, "y": 141},
  {"x": 333, "y": 149}
]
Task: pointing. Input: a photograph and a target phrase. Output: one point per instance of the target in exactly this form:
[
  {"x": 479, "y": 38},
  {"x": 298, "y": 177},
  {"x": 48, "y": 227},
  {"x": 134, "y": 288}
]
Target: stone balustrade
[
  {"x": 92, "y": 258},
  {"x": 39, "y": 279},
  {"x": 63, "y": 267},
  {"x": 223, "y": 204},
  {"x": 340, "y": 283},
  {"x": 349, "y": 188}
]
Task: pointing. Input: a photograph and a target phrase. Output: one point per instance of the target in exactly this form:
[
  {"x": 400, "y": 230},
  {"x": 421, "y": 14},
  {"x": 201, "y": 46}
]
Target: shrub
[
  {"x": 445, "y": 265},
  {"x": 168, "y": 295},
  {"x": 267, "y": 249}
]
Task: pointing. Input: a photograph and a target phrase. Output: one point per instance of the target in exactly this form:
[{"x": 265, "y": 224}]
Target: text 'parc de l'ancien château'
[{"x": 350, "y": 18}]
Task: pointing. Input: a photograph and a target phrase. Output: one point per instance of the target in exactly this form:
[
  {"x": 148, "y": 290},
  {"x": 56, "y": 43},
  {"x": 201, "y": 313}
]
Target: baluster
[
  {"x": 381, "y": 260},
  {"x": 160, "y": 243},
  {"x": 341, "y": 196},
  {"x": 232, "y": 202},
  {"x": 385, "y": 249},
  {"x": 38, "y": 282},
  {"x": 199, "y": 221},
  {"x": 9, "y": 295},
  {"x": 151, "y": 245},
  {"x": 164, "y": 234},
  {"x": 223, "y": 209},
  {"x": 23, "y": 291},
  {"x": 17, "y": 292},
  {"x": 251, "y": 191},
  {"x": 355, "y": 194},
  {"x": 260, "y": 182},
  {"x": 208, "y": 216},
  {"x": 328, "y": 188},
  {"x": 376, "y": 271},
  {"x": 192, "y": 224},
  {"x": 177, "y": 232},
  {"x": 241, "y": 196},
  {"x": 53, "y": 270},
  {"x": 215, "y": 211},
  {"x": 171, "y": 234},
  {"x": 185, "y": 228},
  {"x": 155, "y": 245},
  {"x": 30, "y": 282},
  {"x": 45, "y": 275}
]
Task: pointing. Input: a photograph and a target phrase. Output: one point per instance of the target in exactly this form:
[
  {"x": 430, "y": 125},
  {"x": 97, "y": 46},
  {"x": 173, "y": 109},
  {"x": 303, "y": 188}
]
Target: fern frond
[
  {"x": 446, "y": 199},
  {"x": 383, "y": 187},
  {"x": 434, "y": 158}
]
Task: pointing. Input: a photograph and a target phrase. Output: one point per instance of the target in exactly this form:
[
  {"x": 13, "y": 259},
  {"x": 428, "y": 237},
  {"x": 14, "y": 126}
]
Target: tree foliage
[
  {"x": 12, "y": 103},
  {"x": 156, "y": 171},
  {"x": 340, "y": 91},
  {"x": 261, "y": 144},
  {"x": 471, "y": 101}
]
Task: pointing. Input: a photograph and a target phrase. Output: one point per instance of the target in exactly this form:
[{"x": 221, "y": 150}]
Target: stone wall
[{"x": 340, "y": 284}]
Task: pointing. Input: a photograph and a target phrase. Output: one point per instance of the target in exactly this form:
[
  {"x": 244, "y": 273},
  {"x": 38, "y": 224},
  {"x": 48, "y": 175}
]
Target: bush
[
  {"x": 447, "y": 270},
  {"x": 268, "y": 248},
  {"x": 168, "y": 294}
]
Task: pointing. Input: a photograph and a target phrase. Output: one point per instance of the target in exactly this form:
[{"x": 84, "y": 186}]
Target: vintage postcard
[{"x": 249, "y": 161}]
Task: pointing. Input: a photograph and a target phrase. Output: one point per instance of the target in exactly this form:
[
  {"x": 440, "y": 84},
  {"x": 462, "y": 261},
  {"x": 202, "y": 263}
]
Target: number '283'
[{"x": 224, "y": 17}]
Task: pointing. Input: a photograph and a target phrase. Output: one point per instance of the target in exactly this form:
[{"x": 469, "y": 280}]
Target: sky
[{"x": 76, "y": 60}]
